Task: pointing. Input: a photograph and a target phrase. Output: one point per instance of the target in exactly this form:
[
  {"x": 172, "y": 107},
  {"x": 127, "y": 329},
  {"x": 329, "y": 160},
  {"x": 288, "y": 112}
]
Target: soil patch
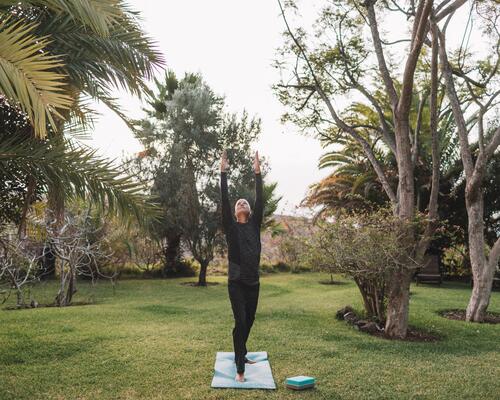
[
  {"x": 374, "y": 328},
  {"x": 459, "y": 315}
]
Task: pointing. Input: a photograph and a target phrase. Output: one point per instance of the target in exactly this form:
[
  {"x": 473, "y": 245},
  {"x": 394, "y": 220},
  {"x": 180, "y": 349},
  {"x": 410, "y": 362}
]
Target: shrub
[
  {"x": 292, "y": 248},
  {"x": 367, "y": 247},
  {"x": 298, "y": 268},
  {"x": 282, "y": 267},
  {"x": 131, "y": 270},
  {"x": 185, "y": 268},
  {"x": 455, "y": 262},
  {"x": 267, "y": 268}
]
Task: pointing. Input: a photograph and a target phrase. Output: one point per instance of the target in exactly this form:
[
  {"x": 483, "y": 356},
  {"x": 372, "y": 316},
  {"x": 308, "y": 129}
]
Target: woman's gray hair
[{"x": 246, "y": 201}]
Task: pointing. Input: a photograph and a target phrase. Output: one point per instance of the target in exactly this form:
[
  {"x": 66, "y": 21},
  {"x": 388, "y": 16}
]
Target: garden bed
[
  {"x": 374, "y": 328},
  {"x": 459, "y": 315}
]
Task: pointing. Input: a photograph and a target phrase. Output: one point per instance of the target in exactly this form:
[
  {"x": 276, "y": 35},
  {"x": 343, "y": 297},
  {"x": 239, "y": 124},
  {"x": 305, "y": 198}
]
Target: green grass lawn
[{"x": 157, "y": 339}]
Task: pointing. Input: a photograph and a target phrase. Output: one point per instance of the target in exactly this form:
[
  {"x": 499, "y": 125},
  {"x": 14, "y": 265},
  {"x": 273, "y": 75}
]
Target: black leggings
[{"x": 244, "y": 300}]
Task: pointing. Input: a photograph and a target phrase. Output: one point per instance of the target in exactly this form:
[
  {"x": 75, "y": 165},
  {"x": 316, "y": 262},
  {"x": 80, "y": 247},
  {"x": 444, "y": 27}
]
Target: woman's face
[{"x": 242, "y": 208}]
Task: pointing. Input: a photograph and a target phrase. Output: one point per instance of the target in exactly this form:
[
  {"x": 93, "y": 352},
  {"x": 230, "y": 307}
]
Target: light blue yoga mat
[{"x": 257, "y": 376}]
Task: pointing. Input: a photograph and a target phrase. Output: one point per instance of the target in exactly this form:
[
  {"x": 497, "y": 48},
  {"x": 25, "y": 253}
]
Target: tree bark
[
  {"x": 482, "y": 275},
  {"x": 61, "y": 294},
  {"x": 480, "y": 297},
  {"x": 172, "y": 255},
  {"x": 398, "y": 302},
  {"x": 48, "y": 263},
  {"x": 372, "y": 293},
  {"x": 398, "y": 296},
  {"x": 202, "y": 278},
  {"x": 71, "y": 287}
]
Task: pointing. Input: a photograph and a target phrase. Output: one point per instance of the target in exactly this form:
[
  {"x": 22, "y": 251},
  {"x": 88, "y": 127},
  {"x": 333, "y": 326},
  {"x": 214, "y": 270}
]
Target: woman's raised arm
[
  {"x": 227, "y": 218},
  {"x": 258, "y": 208}
]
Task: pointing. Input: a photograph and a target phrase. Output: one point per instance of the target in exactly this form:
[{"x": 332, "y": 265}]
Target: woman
[{"x": 243, "y": 242}]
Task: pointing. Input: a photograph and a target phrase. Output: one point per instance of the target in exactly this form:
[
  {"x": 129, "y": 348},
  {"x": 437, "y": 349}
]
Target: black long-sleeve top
[{"x": 243, "y": 239}]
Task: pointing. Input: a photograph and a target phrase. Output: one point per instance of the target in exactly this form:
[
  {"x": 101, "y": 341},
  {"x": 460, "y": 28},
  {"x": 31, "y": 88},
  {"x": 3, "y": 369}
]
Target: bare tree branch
[
  {"x": 379, "y": 52},
  {"x": 450, "y": 9},
  {"x": 420, "y": 28},
  {"x": 339, "y": 122},
  {"x": 433, "y": 105},
  {"x": 455, "y": 106},
  {"x": 387, "y": 131}
]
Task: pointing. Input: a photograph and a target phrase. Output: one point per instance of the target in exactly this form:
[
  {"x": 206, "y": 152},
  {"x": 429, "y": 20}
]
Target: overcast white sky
[{"x": 232, "y": 43}]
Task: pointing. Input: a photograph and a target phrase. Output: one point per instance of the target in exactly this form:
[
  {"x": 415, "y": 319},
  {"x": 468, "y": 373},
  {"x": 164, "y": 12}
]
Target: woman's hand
[
  {"x": 256, "y": 163},
  {"x": 224, "y": 164}
]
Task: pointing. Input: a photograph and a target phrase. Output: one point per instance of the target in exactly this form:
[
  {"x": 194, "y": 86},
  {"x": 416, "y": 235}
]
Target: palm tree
[
  {"x": 53, "y": 52},
  {"x": 28, "y": 74},
  {"x": 353, "y": 185},
  {"x": 54, "y": 56}
]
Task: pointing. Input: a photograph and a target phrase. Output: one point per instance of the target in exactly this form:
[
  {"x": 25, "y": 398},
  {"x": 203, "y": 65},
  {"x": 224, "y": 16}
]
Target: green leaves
[
  {"x": 75, "y": 47},
  {"x": 96, "y": 15},
  {"x": 27, "y": 75},
  {"x": 76, "y": 172},
  {"x": 54, "y": 55}
]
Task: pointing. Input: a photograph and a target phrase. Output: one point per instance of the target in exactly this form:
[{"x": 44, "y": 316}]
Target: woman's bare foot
[{"x": 240, "y": 377}]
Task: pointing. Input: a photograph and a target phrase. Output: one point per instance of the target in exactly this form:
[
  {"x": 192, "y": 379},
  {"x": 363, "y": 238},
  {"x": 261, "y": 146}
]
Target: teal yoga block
[{"x": 300, "y": 381}]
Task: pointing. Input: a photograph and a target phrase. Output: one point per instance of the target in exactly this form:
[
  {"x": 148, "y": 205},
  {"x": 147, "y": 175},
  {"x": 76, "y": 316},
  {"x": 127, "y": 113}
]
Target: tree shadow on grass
[
  {"x": 49, "y": 305},
  {"x": 160, "y": 309},
  {"x": 329, "y": 282},
  {"x": 288, "y": 315},
  {"x": 36, "y": 351},
  {"x": 468, "y": 345},
  {"x": 196, "y": 284},
  {"x": 270, "y": 290}
]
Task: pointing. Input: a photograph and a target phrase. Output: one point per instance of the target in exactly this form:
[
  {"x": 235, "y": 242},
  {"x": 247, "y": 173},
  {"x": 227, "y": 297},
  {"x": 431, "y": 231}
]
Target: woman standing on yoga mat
[{"x": 243, "y": 242}]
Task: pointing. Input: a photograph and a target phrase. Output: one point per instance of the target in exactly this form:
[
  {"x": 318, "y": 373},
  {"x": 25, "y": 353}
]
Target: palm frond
[
  {"x": 125, "y": 59},
  {"x": 97, "y": 15},
  {"x": 76, "y": 172},
  {"x": 28, "y": 77}
]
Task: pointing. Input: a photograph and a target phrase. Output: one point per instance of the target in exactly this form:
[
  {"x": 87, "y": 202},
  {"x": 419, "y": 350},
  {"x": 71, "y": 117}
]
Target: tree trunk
[
  {"x": 20, "y": 297},
  {"x": 398, "y": 296},
  {"x": 398, "y": 302},
  {"x": 71, "y": 287},
  {"x": 61, "y": 294},
  {"x": 480, "y": 297},
  {"x": 172, "y": 255},
  {"x": 482, "y": 274},
  {"x": 372, "y": 293},
  {"x": 406, "y": 184},
  {"x": 48, "y": 263},
  {"x": 202, "y": 278}
]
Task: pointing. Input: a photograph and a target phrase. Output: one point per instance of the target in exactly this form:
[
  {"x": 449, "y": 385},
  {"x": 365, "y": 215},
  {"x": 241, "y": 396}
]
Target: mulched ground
[
  {"x": 196, "y": 284},
  {"x": 413, "y": 334},
  {"x": 459, "y": 315}
]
